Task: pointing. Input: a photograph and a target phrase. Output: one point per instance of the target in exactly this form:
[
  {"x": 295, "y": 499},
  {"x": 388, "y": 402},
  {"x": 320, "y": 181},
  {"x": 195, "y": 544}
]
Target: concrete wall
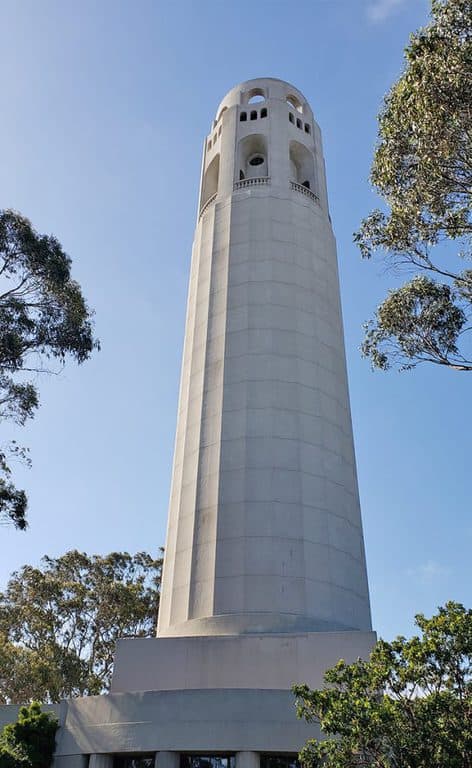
[
  {"x": 205, "y": 721},
  {"x": 245, "y": 661},
  {"x": 183, "y": 721}
]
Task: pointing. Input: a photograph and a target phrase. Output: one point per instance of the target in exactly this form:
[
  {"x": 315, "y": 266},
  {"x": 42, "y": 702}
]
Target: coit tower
[
  {"x": 264, "y": 531},
  {"x": 264, "y": 581}
]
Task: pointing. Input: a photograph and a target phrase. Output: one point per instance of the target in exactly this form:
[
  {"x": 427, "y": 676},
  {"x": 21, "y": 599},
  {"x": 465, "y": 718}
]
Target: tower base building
[{"x": 264, "y": 581}]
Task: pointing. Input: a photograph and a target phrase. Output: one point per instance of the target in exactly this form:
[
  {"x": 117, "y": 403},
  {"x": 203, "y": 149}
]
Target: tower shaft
[{"x": 264, "y": 532}]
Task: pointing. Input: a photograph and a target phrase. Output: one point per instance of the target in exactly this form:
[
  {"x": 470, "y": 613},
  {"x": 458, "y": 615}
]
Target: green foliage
[
  {"x": 30, "y": 742},
  {"x": 408, "y": 706},
  {"x": 418, "y": 322},
  {"x": 59, "y": 623},
  {"x": 43, "y": 318},
  {"x": 423, "y": 170}
]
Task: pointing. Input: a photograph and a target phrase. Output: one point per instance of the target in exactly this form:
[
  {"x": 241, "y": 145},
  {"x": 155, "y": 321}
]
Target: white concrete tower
[
  {"x": 264, "y": 532},
  {"x": 264, "y": 580}
]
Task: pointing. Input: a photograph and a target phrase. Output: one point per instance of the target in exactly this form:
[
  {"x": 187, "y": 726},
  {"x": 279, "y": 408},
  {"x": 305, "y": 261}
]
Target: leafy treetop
[
  {"x": 59, "y": 623},
  {"x": 43, "y": 317},
  {"x": 408, "y": 706},
  {"x": 423, "y": 170}
]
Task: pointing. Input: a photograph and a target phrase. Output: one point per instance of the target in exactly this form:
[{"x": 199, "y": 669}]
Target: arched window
[
  {"x": 291, "y": 117},
  {"x": 307, "y": 128},
  {"x": 221, "y": 114},
  {"x": 292, "y": 101},
  {"x": 241, "y": 176},
  {"x": 209, "y": 144},
  {"x": 254, "y": 115},
  {"x": 263, "y": 112},
  {"x": 256, "y": 99},
  {"x": 299, "y": 123},
  {"x": 210, "y": 180},
  {"x": 254, "y": 96},
  {"x": 302, "y": 165},
  {"x": 243, "y": 117},
  {"x": 252, "y": 157}
]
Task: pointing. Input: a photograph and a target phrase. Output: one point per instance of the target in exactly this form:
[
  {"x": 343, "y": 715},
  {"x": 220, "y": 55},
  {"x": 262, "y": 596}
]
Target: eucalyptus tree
[
  {"x": 44, "y": 319},
  {"x": 59, "y": 623},
  {"x": 422, "y": 169}
]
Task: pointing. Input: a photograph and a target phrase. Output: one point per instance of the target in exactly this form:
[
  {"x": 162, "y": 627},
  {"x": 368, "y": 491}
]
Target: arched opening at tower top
[
  {"x": 210, "y": 180},
  {"x": 252, "y": 157},
  {"x": 254, "y": 96},
  {"x": 302, "y": 165},
  {"x": 295, "y": 103}
]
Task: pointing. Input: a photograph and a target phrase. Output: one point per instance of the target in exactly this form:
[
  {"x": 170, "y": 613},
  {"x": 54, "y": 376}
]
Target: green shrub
[{"x": 30, "y": 742}]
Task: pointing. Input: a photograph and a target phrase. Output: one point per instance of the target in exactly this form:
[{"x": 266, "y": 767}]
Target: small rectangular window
[
  {"x": 299, "y": 123},
  {"x": 133, "y": 761},
  {"x": 279, "y": 761},
  {"x": 207, "y": 761},
  {"x": 263, "y": 112},
  {"x": 307, "y": 128},
  {"x": 291, "y": 117}
]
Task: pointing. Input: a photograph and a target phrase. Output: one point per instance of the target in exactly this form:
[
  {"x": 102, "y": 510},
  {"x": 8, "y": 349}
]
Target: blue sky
[{"x": 105, "y": 107}]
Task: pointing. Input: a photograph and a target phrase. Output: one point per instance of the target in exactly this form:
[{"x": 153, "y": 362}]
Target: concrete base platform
[
  {"x": 201, "y": 695},
  {"x": 262, "y": 662},
  {"x": 182, "y": 721},
  {"x": 208, "y": 721}
]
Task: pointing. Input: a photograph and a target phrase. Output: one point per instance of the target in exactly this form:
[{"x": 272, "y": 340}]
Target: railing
[
  {"x": 305, "y": 191},
  {"x": 257, "y": 181},
  {"x": 251, "y": 182},
  {"x": 207, "y": 204}
]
